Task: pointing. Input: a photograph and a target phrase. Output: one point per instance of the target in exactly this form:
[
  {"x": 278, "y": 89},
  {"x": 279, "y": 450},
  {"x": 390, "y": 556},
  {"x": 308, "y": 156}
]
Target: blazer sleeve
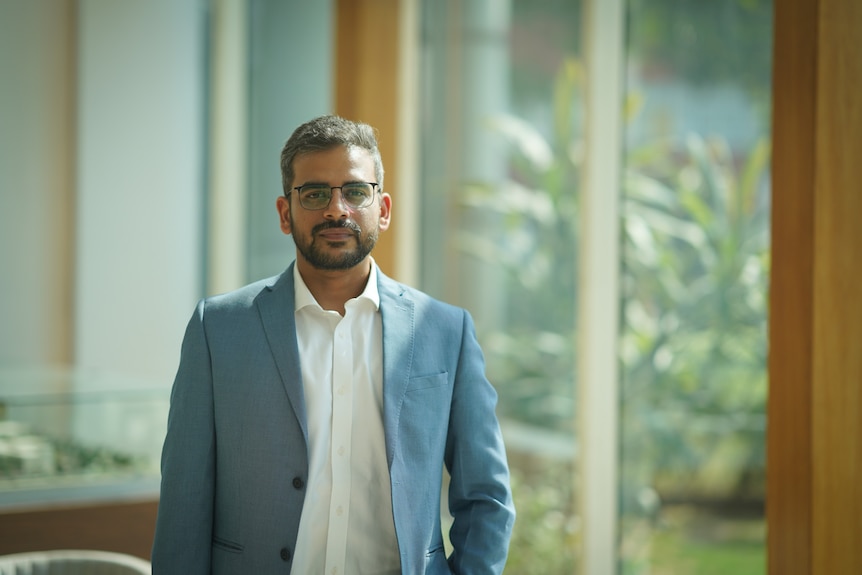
[
  {"x": 480, "y": 499},
  {"x": 183, "y": 536}
]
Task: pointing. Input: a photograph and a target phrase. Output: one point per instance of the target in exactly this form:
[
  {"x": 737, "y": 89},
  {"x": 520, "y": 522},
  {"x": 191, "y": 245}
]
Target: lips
[
  {"x": 337, "y": 232},
  {"x": 337, "y": 235}
]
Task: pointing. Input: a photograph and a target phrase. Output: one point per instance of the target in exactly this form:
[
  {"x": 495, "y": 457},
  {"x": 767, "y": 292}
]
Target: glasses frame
[{"x": 375, "y": 188}]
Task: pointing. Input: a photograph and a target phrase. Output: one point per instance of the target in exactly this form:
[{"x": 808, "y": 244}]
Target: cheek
[{"x": 369, "y": 224}]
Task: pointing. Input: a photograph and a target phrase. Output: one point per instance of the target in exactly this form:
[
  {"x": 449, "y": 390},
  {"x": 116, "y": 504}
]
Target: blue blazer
[{"x": 235, "y": 460}]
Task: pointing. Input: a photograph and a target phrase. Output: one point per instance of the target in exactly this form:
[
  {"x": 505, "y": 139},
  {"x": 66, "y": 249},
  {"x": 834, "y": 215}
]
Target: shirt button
[
  {"x": 339, "y": 511},
  {"x": 298, "y": 483},
  {"x": 285, "y": 554},
  {"x": 341, "y": 450}
]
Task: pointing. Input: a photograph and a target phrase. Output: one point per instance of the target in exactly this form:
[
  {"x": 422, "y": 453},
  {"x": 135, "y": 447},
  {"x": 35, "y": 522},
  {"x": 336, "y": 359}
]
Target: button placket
[{"x": 342, "y": 423}]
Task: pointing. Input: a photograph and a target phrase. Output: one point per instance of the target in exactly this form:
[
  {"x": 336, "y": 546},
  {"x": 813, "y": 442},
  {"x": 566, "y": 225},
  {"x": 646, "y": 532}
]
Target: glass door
[
  {"x": 503, "y": 163},
  {"x": 695, "y": 272}
]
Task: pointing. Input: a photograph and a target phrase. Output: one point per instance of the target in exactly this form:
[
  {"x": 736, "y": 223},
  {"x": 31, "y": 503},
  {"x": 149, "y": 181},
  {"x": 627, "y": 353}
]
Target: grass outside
[
  {"x": 679, "y": 539},
  {"x": 690, "y": 541}
]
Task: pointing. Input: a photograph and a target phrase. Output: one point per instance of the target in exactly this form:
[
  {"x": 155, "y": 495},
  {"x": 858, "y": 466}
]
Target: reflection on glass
[
  {"x": 500, "y": 149},
  {"x": 695, "y": 273}
]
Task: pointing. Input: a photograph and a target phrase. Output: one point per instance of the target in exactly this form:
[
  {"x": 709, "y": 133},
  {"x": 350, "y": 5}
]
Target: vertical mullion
[
  {"x": 598, "y": 316},
  {"x": 407, "y": 248},
  {"x": 789, "y": 446},
  {"x": 228, "y": 169}
]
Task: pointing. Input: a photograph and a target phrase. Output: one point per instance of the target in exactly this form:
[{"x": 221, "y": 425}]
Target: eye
[
  {"x": 356, "y": 192},
  {"x": 314, "y": 192}
]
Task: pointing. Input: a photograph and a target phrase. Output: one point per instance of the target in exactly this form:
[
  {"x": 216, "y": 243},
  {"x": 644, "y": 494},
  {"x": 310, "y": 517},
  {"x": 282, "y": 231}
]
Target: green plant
[
  {"x": 544, "y": 541},
  {"x": 55, "y": 457},
  {"x": 695, "y": 273},
  {"x": 531, "y": 356},
  {"x": 693, "y": 342}
]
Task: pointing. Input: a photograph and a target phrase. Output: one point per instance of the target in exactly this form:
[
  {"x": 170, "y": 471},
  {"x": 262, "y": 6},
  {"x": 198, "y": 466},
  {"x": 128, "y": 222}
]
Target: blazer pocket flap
[
  {"x": 426, "y": 381},
  {"x": 227, "y": 545}
]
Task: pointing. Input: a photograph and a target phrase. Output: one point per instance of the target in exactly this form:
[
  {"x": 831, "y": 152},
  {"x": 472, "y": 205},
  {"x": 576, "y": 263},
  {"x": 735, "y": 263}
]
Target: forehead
[{"x": 335, "y": 165}]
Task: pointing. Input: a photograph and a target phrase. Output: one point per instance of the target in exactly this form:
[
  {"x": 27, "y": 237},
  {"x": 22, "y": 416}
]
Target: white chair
[{"x": 72, "y": 562}]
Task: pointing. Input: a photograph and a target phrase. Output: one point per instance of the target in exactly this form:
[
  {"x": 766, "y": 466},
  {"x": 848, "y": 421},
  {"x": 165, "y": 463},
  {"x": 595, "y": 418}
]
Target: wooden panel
[
  {"x": 120, "y": 527},
  {"x": 814, "y": 504},
  {"x": 837, "y": 385},
  {"x": 789, "y": 454},
  {"x": 366, "y": 88}
]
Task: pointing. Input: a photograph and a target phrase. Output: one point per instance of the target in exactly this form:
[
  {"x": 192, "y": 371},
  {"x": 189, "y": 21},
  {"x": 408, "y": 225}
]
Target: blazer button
[
  {"x": 298, "y": 483},
  {"x": 285, "y": 554}
]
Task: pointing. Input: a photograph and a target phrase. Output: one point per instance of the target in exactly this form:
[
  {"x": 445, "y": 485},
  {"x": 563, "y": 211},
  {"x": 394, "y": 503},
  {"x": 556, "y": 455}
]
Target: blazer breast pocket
[{"x": 427, "y": 381}]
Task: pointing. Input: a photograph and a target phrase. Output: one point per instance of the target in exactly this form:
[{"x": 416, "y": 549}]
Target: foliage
[
  {"x": 694, "y": 349},
  {"x": 544, "y": 541},
  {"x": 695, "y": 270},
  {"x": 707, "y": 43},
  {"x": 531, "y": 359},
  {"x": 59, "y": 457}
]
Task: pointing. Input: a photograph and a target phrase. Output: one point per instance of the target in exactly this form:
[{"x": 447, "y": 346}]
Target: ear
[
  {"x": 385, "y": 211},
  {"x": 282, "y": 204}
]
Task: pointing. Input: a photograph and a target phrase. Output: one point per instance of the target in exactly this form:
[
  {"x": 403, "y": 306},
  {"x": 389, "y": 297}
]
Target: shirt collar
[{"x": 303, "y": 297}]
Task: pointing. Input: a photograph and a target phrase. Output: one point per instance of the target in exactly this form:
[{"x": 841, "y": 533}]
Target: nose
[{"x": 337, "y": 207}]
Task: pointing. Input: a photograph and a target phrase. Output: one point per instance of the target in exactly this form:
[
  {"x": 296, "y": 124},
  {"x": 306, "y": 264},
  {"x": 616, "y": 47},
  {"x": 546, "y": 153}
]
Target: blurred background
[{"x": 589, "y": 179}]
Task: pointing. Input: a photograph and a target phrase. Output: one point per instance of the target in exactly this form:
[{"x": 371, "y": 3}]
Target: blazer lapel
[
  {"x": 396, "y": 311},
  {"x": 276, "y": 307}
]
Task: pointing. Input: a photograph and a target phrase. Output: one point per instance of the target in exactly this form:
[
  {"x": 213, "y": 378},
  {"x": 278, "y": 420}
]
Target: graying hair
[{"x": 324, "y": 133}]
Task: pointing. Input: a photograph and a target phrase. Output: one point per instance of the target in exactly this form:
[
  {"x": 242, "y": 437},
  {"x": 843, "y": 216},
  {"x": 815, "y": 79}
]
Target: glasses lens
[
  {"x": 357, "y": 195},
  {"x": 317, "y": 196},
  {"x": 314, "y": 196}
]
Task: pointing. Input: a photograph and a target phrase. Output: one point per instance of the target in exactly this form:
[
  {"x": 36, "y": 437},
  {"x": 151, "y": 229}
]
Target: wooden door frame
[{"x": 814, "y": 465}]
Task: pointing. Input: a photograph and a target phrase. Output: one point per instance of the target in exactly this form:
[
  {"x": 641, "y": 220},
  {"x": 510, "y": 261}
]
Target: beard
[{"x": 322, "y": 259}]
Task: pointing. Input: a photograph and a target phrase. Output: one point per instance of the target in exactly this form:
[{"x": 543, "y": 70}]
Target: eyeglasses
[{"x": 355, "y": 194}]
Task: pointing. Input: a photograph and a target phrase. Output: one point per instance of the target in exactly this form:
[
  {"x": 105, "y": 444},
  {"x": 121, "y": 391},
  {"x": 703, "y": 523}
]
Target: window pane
[
  {"x": 500, "y": 176},
  {"x": 695, "y": 273}
]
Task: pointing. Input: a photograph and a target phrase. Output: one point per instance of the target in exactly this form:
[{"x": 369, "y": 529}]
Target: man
[{"x": 312, "y": 413}]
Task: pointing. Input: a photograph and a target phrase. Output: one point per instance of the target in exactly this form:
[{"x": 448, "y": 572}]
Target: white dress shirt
[{"x": 347, "y": 525}]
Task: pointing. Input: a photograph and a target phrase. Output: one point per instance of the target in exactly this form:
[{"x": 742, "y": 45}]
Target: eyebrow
[{"x": 321, "y": 183}]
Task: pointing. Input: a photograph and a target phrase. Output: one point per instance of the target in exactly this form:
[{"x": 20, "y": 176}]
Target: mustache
[{"x": 353, "y": 226}]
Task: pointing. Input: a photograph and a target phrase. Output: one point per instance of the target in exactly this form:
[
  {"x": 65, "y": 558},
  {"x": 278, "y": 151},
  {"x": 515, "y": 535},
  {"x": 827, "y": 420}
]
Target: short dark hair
[{"x": 324, "y": 133}]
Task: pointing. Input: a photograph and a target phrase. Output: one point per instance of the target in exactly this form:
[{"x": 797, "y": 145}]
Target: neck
[{"x": 333, "y": 288}]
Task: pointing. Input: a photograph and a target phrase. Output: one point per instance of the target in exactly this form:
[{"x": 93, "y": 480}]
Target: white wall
[
  {"x": 36, "y": 181},
  {"x": 140, "y": 208}
]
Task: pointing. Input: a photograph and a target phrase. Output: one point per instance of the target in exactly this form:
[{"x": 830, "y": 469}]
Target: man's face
[{"x": 336, "y": 237}]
